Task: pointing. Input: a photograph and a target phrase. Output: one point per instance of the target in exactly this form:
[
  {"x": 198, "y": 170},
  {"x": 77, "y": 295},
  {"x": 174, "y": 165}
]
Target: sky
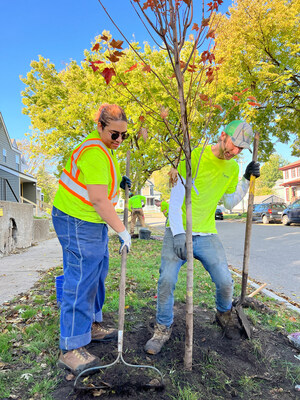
[{"x": 59, "y": 30}]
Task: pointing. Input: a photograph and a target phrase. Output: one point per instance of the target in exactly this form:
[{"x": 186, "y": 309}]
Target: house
[
  {"x": 15, "y": 184},
  {"x": 148, "y": 190},
  {"x": 18, "y": 228},
  {"x": 269, "y": 198},
  {"x": 291, "y": 181}
]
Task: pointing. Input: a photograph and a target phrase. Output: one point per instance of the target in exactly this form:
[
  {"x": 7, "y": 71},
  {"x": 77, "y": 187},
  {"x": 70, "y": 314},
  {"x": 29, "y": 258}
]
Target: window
[
  {"x": 286, "y": 174},
  {"x": 293, "y": 171},
  {"x": 298, "y": 171},
  {"x": 18, "y": 161},
  {"x": 4, "y": 156}
]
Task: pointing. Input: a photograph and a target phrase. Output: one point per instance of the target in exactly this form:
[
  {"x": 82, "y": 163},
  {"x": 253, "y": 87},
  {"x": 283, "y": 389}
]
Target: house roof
[
  {"x": 271, "y": 198},
  {"x": 290, "y": 166},
  {"x": 294, "y": 182}
]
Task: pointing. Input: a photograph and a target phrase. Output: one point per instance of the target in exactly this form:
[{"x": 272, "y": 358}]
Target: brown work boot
[
  {"x": 100, "y": 334},
  {"x": 78, "y": 360},
  {"x": 161, "y": 335},
  {"x": 229, "y": 323}
]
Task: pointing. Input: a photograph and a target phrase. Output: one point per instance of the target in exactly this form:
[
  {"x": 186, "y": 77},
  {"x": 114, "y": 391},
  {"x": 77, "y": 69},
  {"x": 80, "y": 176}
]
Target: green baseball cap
[{"x": 240, "y": 133}]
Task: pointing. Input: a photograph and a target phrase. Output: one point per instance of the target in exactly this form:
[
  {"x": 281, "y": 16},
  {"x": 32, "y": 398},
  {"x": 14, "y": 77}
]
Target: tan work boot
[
  {"x": 161, "y": 335},
  {"x": 101, "y": 334},
  {"x": 78, "y": 360},
  {"x": 231, "y": 328}
]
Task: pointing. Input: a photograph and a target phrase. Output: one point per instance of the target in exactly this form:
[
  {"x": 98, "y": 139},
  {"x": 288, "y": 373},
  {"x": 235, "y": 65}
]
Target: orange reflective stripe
[
  {"x": 69, "y": 179},
  {"x": 74, "y": 179}
]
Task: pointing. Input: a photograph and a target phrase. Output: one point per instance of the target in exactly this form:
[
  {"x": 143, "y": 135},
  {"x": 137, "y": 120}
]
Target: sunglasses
[{"x": 115, "y": 135}]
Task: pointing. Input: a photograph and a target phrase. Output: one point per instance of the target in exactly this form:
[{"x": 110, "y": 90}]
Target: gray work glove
[
  {"x": 252, "y": 169},
  {"x": 125, "y": 240},
  {"x": 180, "y": 245}
]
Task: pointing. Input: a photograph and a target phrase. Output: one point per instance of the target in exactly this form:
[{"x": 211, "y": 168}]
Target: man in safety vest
[
  {"x": 135, "y": 205},
  {"x": 163, "y": 205},
  {"x": 215, "y": 176},
  {"x": 83, "y": 207}
]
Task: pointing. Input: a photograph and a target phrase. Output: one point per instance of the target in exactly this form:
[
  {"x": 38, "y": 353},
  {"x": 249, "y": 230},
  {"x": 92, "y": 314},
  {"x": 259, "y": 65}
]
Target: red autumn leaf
[
  {"x": 116, "y": 44},
  {"x": 122, "y": 83},
  {"x": 251, "y": 98},
  {"x": 245, "y": 90},
  {"x": 218, "y": 107},
  {"x": 254, "y": 104},
  {"x": 113, "y": 58},
  {"x": 118, "y": 53},
  {"x": 192, "y": 68},
  {"x": 107, "y": 74},
  {"x": 209, "y": 72},
  {"x": 187, "y": 2},
  {"x": 96, "y": 47},
  {"x": 141, "y": 118},
  {"x": 211, "y": 33},
  {"x": 94, "y": 67},
  {"x": 205, "y": 22},
  {"x": 195, "y": 27},
  {"x": 238, "y": 94},
  {"x": 235, "y": 98},
  {"x": 182, "y": 64},
  {"x": 132, "y": 68},
  {"x": 149, "y": 3},
  {"x": 203, "y": 97},
  {"x": 105, "y": 38},
  {"x": 147, "y": 68},
  {"x": 97, "y": 62},
  {"x": 209, "y": 79}
]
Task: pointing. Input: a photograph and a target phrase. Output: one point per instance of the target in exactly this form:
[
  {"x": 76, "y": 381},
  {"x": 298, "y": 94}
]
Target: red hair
[{"x": 109, "y": 112}]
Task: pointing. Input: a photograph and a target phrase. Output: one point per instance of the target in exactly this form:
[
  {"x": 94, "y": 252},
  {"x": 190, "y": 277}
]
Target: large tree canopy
[
  {"x": 259, "y": 43},
  {"x": 270, "y": 173},
  {"x": 62, "y": 104}
]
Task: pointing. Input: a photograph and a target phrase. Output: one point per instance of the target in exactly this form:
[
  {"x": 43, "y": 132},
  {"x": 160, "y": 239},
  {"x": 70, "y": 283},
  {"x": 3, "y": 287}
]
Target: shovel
[{"x": 239, "y": 302}]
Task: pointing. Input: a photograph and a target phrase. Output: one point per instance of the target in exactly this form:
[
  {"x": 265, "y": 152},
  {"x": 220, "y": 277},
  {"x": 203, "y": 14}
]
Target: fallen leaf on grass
[
  {"x": 154, "y": 382},
  {"x": 98, "y": 393},
  {"x": 70, "y": 377}
]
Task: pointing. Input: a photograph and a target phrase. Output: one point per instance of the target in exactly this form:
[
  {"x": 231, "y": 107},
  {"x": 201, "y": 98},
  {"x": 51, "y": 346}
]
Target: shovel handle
[
  {"x": 249, "y": 223},
  {"x": 123, "y": 265}
]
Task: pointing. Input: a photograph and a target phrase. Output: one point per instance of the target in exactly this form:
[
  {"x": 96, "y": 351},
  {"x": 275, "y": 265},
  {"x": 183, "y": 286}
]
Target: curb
[{"x": 268, "y": 293}]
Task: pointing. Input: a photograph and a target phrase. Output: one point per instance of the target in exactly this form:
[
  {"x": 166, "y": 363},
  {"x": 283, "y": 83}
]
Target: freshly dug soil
[{"x": 263, "y": 367}]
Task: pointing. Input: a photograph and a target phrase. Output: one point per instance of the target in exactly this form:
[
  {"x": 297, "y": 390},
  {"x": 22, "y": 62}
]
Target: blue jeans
[
  {"x": 85, "y": 261},
  {"x": 210, "y": 252}
]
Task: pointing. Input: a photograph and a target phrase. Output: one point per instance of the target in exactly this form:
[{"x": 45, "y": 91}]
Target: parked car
[
  {"x": 268, "y": 212},
  {"x": 219, "y": 214},
  {"x": 291, "y": 213}
]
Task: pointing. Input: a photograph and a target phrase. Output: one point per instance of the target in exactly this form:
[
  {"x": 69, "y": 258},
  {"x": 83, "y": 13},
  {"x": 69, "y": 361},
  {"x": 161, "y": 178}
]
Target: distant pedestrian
[
  {"x": 135, "y": 205},
  {"x": 83, "y": 207}
]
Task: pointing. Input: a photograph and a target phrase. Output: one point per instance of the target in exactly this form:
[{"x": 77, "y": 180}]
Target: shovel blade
[{"x": 243, "y": 320}]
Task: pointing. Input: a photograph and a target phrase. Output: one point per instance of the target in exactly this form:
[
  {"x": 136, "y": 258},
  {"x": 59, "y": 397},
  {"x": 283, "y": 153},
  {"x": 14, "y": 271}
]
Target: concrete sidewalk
[{"x": 19, "y": 272}]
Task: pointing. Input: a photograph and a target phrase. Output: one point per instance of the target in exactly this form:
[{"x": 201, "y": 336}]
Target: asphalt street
[{"x": 274, "y": 254}]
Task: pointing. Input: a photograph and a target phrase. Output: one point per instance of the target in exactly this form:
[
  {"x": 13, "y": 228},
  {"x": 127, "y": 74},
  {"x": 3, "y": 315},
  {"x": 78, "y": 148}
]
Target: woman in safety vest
[{"x": 83, "y": 207}]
